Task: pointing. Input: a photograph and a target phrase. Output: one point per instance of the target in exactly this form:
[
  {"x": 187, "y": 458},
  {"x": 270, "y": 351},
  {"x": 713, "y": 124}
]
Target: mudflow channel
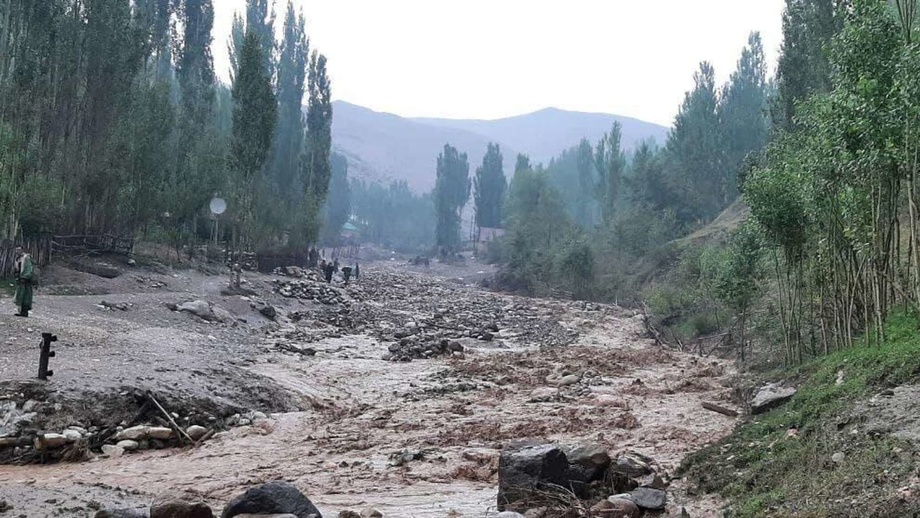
[{"x": 364, "y": 406}]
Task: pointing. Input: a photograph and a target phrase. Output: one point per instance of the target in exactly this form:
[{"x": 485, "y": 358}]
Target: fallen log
[{"x": 720, "y": 409}]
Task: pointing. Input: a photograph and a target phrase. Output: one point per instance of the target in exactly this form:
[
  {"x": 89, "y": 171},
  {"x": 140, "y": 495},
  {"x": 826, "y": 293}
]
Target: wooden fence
[
  {"x": 102, "y": 244},
  {"x": 40, "y": 248}
]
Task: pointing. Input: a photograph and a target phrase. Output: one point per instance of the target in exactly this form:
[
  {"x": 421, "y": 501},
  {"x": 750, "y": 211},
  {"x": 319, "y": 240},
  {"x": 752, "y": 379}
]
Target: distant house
[
  {"x": 349, "y": 232},
  {"x": 487, "y": 234}
]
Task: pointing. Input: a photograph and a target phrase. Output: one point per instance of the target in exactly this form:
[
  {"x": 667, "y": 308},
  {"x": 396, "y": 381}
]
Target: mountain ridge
[{"x": 382, "y": 146}]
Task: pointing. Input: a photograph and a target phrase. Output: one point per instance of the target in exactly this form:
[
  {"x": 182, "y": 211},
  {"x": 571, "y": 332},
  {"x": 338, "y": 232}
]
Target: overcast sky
[{"x": 495, "y": 58}]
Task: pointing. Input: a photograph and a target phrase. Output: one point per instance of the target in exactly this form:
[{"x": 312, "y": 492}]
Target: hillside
[
  {"x": 383, "y": 146},
  {"x": 545, "y": 133}
]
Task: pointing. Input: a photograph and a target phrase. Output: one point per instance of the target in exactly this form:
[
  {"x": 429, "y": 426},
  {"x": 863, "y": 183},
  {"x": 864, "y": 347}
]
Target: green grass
[{"x": 761, "y": 471}]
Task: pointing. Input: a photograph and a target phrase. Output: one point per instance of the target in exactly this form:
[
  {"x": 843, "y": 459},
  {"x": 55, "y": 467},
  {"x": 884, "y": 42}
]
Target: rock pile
[
  {"x": 310, "y": 290},
  {"x": 627, "y": 486}
]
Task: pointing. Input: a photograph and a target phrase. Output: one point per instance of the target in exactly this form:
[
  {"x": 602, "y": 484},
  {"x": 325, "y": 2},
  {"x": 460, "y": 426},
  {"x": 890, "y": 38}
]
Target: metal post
[{"x": 46, "y": 354}]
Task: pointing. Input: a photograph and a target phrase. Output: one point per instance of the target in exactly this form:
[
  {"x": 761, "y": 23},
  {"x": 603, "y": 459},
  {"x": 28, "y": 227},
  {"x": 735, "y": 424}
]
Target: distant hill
[
  {"x": 384, "y": 147},
  {"x": 545, "y": 134}
]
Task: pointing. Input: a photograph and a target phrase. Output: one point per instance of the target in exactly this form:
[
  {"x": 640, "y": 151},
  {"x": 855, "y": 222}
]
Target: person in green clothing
[{"x": 24, "y": 272}]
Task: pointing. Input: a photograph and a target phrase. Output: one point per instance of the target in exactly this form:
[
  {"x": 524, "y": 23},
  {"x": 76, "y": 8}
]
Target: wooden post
[{"x": 45, "y": 355}]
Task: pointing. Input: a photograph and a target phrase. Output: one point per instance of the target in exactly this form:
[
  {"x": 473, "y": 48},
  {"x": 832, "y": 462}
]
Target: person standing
[{"x": 24, "y": 272}]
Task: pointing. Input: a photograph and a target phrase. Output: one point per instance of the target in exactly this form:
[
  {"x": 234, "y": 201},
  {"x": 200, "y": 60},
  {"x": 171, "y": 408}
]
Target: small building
[{"x": 487, "y": 235}]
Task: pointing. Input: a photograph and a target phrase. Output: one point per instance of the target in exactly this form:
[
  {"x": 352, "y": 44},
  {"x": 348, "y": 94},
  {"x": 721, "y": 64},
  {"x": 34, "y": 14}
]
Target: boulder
[
  {"x": 590, "y": 460},
  {"x": 196, "y": 432},
  {"x": 272, "y": 498},
  {"x": 160, "y": 433},
  {"x": 268, "y": 311},
  {"x": 621, "y": 508},
  {"x": 128, "y": 445},
  {"x": 524, "y": 468},
  {"x": 648, "y": 498},
  {"x": 349, "y": 514},
  {"x": 632, "y": 465},
  {"x": 370, "y": 512},
  {"x": 73, "y": 435},
  {"x": 135, "y": 433},
  {"x": 110, "y": 450},
  {"x": 769, "y": 397},
  {"x": 543, "y": 395},
  {"x": 174, "y": 507}
]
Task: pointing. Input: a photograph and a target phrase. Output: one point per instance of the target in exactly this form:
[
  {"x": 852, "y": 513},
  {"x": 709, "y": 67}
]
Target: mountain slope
[
  {"x": 385, "y": 147},
  {"x": 544, "y": 134}
]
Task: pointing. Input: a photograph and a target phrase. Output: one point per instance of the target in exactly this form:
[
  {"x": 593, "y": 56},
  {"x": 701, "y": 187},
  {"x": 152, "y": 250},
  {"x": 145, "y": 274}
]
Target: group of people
[{"x": 330, "y": 268}]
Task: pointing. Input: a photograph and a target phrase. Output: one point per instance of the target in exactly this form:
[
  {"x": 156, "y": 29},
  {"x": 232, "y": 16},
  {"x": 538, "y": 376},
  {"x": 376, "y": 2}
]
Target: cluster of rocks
[
  {"x": 408, "y": 349},
  {"x": 275, "y": 499},
  {"x": 310, "y": 290},
  {"x": 530, "y": 474},
  {"x": 20, "y": 436}
]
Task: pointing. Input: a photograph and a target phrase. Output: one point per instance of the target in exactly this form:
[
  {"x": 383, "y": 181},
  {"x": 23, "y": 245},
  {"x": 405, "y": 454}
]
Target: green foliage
[
  {"x": 338, "y": 204},
  {"x": 610, "y": 162},
  {"x": 451, "y": 193},
  {"x": 254, "y": 117},
  {"x": 490, "y": 185},
  {"x": 764, "y": 471},
  {"x": 394, "y": 216},
  {"x": 112, "y": 121}
]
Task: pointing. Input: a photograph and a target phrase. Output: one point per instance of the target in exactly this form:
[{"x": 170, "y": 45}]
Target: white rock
[
  {"x": 543, "y": 394},
  {"x": 135, "y": 433},
  {"x": 160, "y": 433},
  {"x": 196, "y": 432},
  {"x": 128, "y": 445},
  {"x": 258, "y": 415},
  {"x": 838, "y": 457},
  {"x": 72, "y": 435},
  {"x": 110, "y": 450}
]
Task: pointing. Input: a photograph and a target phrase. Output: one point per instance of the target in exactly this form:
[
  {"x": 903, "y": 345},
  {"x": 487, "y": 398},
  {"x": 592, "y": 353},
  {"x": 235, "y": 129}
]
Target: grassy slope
[{"x": 762, "y": 471}]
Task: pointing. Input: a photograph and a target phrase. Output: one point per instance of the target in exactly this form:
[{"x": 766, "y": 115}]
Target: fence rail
[
  {"x": 95, "y": 244},
  {"x": 40, "y": 248}
]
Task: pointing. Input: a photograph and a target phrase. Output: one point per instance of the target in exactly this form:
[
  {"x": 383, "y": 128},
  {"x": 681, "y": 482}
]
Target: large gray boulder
[
  {"x": 590, "y": 461},
  {"x": 175, "y": 507},
  {"x": 272, "y": 498},
  {"x": 769, "y": 397},
  {"x": 522, "y": 469},
  {"x": 648, "y": 498}
]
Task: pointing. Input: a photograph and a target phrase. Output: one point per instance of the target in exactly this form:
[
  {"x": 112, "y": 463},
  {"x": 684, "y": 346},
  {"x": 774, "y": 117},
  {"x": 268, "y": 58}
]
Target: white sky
[{"x": 495, "y": 58}]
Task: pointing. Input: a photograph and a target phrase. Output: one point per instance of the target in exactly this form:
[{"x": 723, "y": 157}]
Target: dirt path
[{"x": 412, "y": 439}]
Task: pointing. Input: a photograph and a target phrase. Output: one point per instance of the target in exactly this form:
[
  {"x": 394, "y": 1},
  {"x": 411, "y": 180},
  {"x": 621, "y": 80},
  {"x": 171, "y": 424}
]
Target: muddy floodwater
[{"x": 416, "y": 438}]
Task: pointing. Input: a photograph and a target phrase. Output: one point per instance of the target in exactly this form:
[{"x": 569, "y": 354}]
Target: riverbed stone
[
  {"x": 175, "y": 507},
  {"x": 522, "y": 469},
  {"x": 135, "y": 433},
  {"x": 591, "y": 460},
  {"x": 128, "y": 445},
  {"x": 769, "y": 397},
  {"x": 160, "y": 433},
  {"x": 196, "y": 432},
  {"x": 272, "y": 498},
  {"x": 648, "y": 498}
]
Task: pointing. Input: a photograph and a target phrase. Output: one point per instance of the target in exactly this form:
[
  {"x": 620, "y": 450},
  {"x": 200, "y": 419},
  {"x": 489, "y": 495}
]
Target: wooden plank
[{"x": 719, "y": 409}]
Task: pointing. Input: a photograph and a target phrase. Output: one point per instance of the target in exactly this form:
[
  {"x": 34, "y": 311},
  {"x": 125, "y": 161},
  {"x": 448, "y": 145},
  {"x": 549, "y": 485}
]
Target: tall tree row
[
  {"x": 451, "y": 193},
  {"x": 112, "y": 120},
  {"x": 490, "y": 185}
]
